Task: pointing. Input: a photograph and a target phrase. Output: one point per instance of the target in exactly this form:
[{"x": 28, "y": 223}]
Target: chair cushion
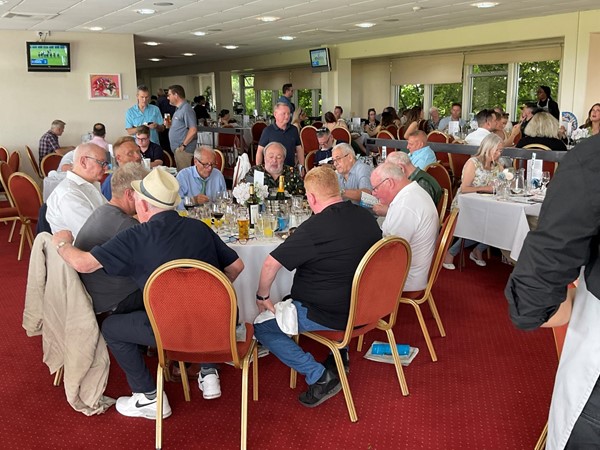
[
  {"x": 413, "y": 295},
  {"x": 8, "y": 212}
]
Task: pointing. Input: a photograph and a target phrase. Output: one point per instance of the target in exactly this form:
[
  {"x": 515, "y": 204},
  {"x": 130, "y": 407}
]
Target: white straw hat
[{"x": 159, "y": 188}]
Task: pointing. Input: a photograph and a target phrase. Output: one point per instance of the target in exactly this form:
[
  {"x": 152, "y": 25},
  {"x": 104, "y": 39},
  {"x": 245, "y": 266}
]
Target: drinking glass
[
  {"x": 243, "y": 220},
  {"x": 545, "y": 179},
  {"x": 259, "y": 226},
  {"x": 269, "y": 225},
  {"x": 217, "y": 214}
]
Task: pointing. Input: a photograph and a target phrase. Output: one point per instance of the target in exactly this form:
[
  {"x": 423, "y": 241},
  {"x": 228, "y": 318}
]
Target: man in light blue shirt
[
  {"x": 143, "y": 113},
  {"x": 201, "y": 181},
  {"x": 353, "y": 175},
  {"x": 420, "y": 154},
  {"x": 455, "y": 112}
]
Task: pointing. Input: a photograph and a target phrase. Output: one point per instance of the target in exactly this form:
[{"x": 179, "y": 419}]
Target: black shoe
[
  {"x": 329, "y": 363},
  {"x": 325, "y": 387}
]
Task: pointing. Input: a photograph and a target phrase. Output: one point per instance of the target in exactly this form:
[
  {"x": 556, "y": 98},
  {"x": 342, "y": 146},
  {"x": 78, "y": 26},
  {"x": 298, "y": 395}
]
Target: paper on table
[
  {"x": 368, "y": 200},
  {"x": 453, "y": 127},
  {"x": 259, "y": 177}
]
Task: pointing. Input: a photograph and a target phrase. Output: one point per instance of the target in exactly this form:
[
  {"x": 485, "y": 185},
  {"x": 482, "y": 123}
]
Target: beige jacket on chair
[{"x": 58, "y": 307}]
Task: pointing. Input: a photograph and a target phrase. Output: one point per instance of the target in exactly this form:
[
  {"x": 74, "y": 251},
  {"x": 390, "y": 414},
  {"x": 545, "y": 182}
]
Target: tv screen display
[
  {"x": 48, "y": 57},
  {"x": 320, "y": 60}
]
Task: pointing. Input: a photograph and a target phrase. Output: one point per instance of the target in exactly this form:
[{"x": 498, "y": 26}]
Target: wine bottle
[
  {"x": 253, "y": 206},
  {"x": 280, "y": 189}
]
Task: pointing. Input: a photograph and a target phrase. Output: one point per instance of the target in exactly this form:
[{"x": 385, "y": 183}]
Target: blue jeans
[
  {"x": 288, "y": 352},
  {"x": 455, "y": 249}
]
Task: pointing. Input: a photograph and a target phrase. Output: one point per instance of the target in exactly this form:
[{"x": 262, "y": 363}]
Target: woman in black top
[
  {"x": 542, "y": 129},
  {"x": 546, "y": 103}
]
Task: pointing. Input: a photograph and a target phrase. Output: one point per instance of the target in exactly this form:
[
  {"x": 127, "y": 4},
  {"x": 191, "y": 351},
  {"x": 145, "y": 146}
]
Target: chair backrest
[
  {"x": 26, "y": 195},
  {"x": 190, "y": 322},
  {"x": 393, "y": 129},
  {"x": 442, "y": 245},
  {"x": 457, "y": 162},
  {"x": 5, "y": 173},
  {"x": 318, "y": 124},
  {"x": 441, "y": 175},
  {"x": 309, "y": 160},
  {"x": 3, "y": 154},
  {"x": 226, "y": 139},
  {"x": 517, "y": 138},
  {"x": 34, "y": 163},
  {"x": 438, "y": 136},
  {"x": 375, "y": 288},
  {"x": 49, "y": 162},
  {"x": 341, "y": 134},
  {"x": 442, "y": 205},
  {"x": 384, "y": 134},
  {"x": 167, "y": 159},
  {"x": 219, "y": 160},
  {"x": 308, "y": 137},
  {"x": 257, "y": 130},
  {"x": 548, "y": 166},
  {"x": 400, "y": 134},
  {"x": 14, "y": 161}
]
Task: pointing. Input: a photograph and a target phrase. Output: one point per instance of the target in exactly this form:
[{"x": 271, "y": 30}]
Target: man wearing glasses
[
  {"x": 353, "y": 175},
  {"x": 149, "y": 149},
  {"x": 323, "y": 155},
  {"x": 78, "y": 195},
  {"x": 202, "y": 180},
  {"x": 125, "y": 150}
]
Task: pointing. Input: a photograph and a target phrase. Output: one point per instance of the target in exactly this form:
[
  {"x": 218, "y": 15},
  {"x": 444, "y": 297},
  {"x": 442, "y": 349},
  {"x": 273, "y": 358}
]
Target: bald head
[{"x": 89, "y": 162}]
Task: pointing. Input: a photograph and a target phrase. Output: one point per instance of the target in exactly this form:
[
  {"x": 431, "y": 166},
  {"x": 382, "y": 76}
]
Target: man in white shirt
[
  {"x": 411, "y": 215},
  {"x": 78, "y": 195},
  {"x": 486, "y": 123}
]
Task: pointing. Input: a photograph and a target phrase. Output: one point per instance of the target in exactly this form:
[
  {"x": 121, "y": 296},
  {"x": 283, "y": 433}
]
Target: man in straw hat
[{"x": 161, "y": 236}]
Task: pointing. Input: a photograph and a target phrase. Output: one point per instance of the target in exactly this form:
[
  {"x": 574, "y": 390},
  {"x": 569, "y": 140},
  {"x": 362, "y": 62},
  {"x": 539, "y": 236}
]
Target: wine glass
[
  {"x": 545, "y": 179},
  {"x": 189, "y": 203},
  {"x": 217, "y": 213}
]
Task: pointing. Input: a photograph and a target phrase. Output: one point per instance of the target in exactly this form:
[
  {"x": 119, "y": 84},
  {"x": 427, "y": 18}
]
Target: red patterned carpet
[{"x": 490, "y": 388}]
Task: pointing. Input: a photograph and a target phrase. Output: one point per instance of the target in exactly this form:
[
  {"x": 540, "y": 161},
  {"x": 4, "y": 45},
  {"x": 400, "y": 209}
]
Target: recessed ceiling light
[
  {"x": 188, "y": 54},
  {"x": 2, "y": 2},
  {"x": 485, "y": 4},
  {"x": 163, "y": 4},
  {"x": 230, "y": 47},
  {"x": 152, "y": 43},
  {"x": 268, "y": 18},
  {"x": 95, "y": 28},
  {"x": 287, "y": 38},
  {"x": 199, "y": 33},
  {"x": 365, "y": 25},
  {"x": 145, "y": 11},
  {"x": 155, "y": 59}
]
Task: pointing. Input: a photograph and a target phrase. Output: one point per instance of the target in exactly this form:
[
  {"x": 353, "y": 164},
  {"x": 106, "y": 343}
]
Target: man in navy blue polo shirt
[
  {"x": 161, "y": 236},
  {"x": 284, "y": 133}
]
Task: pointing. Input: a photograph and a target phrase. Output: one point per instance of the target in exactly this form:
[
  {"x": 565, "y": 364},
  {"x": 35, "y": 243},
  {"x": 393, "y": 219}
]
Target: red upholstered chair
[
  {"x": 308, "y": 137},
  {"x": 384, "y": 134},
  {"x": 438, "y": 136},
  {"x": 49, "y": 162},
  {"x": 400, "y": 134},
  {"x": 256, "y": 130},
  {"x": 441, "y": 175},
  {"x": 14, "y": 161},
  {"x": 417, "y": 298},
  {"x": 318, "y": 124},
  {"x": 375, "y": 293},
  {"x": 167, "y": 159},
  {"x": 3, "y": 154},
  {"x": 28, "y": 200},
  {"x": 8, "y": 213},
  {"x": 341, "y": 134},
  {"x": 34, "y": 163},
  {"x": 548, "y": 166},
  {"x": 457, "y": 162},
  {"x": 197, "y": 326},
  {"x": 442, "y": 206},
  {"x": 219, "y": 160},
  {"x": 309, "y": 160},
  {"x": 393, "y": 129}
]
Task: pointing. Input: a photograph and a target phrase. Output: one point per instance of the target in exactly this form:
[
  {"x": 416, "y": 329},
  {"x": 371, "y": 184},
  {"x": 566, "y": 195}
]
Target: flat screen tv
[
  {"x": 320, "y": 61},
  {"x": 48, "y": 57}
]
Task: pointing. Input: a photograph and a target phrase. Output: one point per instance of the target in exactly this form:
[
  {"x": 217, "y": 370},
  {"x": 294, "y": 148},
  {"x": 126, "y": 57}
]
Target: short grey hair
[
  {"x": 57, "y": 124},
  {"x": 398, "y": 157},
  {"x": 124, "y": 175},
  {"x": 389, "y": 170},
  {"x": 433, "y": 108},
  {"x": 280, "y": 104},
  {"x": 346, "y": 149},
  {"x": 203, "y": 148},
  {"x": 275, "y": 145}
]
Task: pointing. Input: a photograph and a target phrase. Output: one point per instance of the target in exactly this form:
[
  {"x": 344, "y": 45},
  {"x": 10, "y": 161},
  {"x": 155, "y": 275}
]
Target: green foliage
[
  {"x": 410, "y": 95},
  {"x": 305, "y": 100},
  {"x": 535, "y": 74},
  {"x": 446, "y": 94},
  {"x": 266, "y": 102}
]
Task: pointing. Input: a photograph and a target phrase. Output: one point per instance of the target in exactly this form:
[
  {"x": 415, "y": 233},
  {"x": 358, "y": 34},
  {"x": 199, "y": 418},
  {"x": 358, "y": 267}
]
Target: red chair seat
[
  {"x": 8, "y": 212},
  {"x": 413, "y": 294}
]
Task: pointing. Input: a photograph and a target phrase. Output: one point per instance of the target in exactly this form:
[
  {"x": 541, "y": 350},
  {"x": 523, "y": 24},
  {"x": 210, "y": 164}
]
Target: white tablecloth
[
  {"x": 501, "y": 224},
  {"x": 254, "y": 253}
]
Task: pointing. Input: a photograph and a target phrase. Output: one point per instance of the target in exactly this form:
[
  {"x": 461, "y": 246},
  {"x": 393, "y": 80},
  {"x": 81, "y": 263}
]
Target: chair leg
[
  {"x": 159, "y": 406},
  {"x": 360, "y": 343},
  {"x": 244, "y": 425},
  {"x": 541, "y": 443},
  {"x": 12, "y": 231},
  {"x": 397, "y": 363},
  {"x": 293, "y": 373},
  {"x": 29, "y": 235},
  {"x": 436, "y": 314},
  {"x": 58, "y": 376},
  {"x": 424, "y": 330},
  {"x": 255, "y": 372},
  {"x": 184, "y": 381},
  {"x": 344, "y": 380},
  {"x": 21, "y": 242}
]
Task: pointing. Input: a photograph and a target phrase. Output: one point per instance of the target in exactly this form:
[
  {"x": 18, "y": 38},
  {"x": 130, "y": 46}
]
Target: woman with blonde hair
[
  {"x": 542, "y": 129},
  {"x": 298, "y": 118}
]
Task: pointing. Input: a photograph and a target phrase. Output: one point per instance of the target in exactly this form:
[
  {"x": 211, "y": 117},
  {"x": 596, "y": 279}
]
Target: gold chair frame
[
  {"x": 49, "y": 156},
  {"x": 11, "y": 203},
  {"x": 34, "y": 164},
  {"x": 442, "y": 205},
  {"x": 219, "y": 153},
  {"x": 25, "y": 231}
]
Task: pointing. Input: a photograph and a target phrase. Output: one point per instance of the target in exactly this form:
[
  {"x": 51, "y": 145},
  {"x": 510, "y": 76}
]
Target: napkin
[{"x": 285, "y": 315}]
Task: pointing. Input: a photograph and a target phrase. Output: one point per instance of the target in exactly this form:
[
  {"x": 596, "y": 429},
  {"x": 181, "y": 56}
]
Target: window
[
  {"x": 489, "y": 84},
  {"x": 410, "y": 95},
  {"x": 310, "y": 101},
  {"x": 266, "y": 103},
  {"x": 446, "y": 94},
  {"x": 248, "y": 96},
  {"x": 535, "y": 74}
]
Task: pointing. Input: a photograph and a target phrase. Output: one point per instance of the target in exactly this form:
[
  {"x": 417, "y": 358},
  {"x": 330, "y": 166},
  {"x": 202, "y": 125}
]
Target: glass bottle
[
  {"x": 253, "y": 206},
  {"x": 281, "y": 189}
]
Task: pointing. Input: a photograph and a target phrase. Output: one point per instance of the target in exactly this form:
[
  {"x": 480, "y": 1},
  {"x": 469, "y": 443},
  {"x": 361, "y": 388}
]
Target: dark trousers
[
  {"x": 586, "y": 432},
  {"x": 123, "y": 334}
]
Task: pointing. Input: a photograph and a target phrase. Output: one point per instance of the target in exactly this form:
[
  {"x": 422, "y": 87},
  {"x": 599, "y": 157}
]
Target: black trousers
[{"x": 586, "y": 432}]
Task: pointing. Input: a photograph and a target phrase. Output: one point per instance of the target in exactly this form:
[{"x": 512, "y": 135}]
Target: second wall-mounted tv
[
  {"x": 48, "y": 57},
  {"x": 320, "y": 60}
]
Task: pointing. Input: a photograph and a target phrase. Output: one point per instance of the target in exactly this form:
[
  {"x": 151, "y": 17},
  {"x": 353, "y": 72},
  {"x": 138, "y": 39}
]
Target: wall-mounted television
[
  {"x": 320, "y": 61},
  {"x": 48, "y": 57}
]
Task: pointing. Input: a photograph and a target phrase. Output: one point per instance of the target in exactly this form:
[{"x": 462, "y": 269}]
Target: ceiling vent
[{"x": 28, "y": 16}]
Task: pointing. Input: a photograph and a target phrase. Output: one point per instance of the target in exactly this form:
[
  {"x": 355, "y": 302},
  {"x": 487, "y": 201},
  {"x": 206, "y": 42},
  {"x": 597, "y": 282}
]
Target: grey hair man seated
[{"x": 353, "y": 175}]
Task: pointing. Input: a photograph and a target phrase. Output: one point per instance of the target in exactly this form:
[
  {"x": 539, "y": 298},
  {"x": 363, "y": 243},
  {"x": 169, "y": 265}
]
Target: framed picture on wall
[{"x": 104, "y": 86}]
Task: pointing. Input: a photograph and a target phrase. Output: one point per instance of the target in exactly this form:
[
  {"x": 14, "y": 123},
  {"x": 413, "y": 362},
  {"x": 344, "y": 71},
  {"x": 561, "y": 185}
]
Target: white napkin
[
  {"x": 285, "y": 315},
  {"x": 242, "y": 167}
]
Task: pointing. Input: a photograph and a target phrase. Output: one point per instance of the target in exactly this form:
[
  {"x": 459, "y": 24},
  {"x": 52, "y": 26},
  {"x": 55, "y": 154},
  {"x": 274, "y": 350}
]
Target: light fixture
[
  {"x": 145, "y": 11},
  {"x": 152, "y": 43},
  {"x": 95, "y": 28},
  {"x": 154, "y": 59},
  {"x": 268, "y": 18},
  {"x": 485, "y": 4},
  {"x": 230, "y": 47},
  {"x": 188, "y": 54},
  {"x": 163, "y": 4},
  {"x": 199, "y": 33},
  {"x": 365, "y": 25},
  {"x": 2, "y": 2},
  {"x": 287, "y": 38}
]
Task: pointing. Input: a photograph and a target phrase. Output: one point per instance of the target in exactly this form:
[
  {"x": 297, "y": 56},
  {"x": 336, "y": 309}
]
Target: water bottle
[
  {"x": 383, "y": 153},
  {"x": 385, "y": 349}
]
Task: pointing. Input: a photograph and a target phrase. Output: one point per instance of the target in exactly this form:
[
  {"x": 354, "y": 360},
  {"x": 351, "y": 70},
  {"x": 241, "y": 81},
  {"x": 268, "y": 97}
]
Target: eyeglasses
[
  {"x": 102, "y": 164},
  {"x": 323, "y": 129},
  {"x": 205, "y": 165},
  {"x": 377, "y": 187},
  {"x": 336, "y": 160},
  {"x": 141, "y": 138}
]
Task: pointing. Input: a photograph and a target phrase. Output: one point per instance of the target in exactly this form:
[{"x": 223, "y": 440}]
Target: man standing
[
  {"x": 201, "y": 110},
  {"x": 78, "y": 195},
  {"x": 486, "y": 123},
  {"x": 353, "y": 175},
  {"x": 284, "y": 133},
  {"x": 136, "y": 252},
  {"x": 412, "y": 216},
  {"x": 422, "y": 178},
  {"x": 202, "y": 180},
  {"x": 183, "y": 132},
  {"x": 149, "y": 149},
  {"x": 49, "y": 140},
  {"x": 325, "y": 252},
  {"x": 143, "y": 113},
  {"x": 112, "y": 294},
  {"x": 125, "y": 150},
  {"x": 420, "y": 154},
  {"x": 287, "y": 93},
  {"x": 455, "y": 113},
  {"x": 98, "y": 135},
  {"x": 565, "y": 247}
]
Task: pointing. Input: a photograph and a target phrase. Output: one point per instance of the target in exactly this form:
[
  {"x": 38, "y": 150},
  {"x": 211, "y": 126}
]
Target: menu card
[
  {"x": 453, "y": 127},
  {"x": 534, "y": 173}
]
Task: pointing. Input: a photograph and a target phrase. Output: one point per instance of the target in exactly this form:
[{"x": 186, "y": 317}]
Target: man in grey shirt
[
  {"x": 183, "y": 130},
  {"x": 112, "y": 294},
  {"x": 353, "y": 175}
]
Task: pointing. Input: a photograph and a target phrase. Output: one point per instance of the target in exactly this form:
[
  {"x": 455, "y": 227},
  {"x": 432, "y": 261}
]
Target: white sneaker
[
  {"x": 210, "y": 385},
  {"x": 138, "y": 405},
  {"x": 479, "y": 262},
  {"x": 448, "y": 266}
]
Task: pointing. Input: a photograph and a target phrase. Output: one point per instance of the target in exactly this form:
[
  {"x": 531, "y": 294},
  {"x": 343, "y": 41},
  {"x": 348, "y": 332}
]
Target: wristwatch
[{"x": 259, "y": 297}]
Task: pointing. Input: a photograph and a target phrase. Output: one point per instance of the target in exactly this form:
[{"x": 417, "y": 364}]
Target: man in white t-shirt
[
  {"x": 411, "y": 215},
  {"x": 486, "y": 123}
]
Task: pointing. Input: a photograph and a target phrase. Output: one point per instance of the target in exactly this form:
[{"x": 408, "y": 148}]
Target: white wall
[{"x": 33, "y": 100}]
